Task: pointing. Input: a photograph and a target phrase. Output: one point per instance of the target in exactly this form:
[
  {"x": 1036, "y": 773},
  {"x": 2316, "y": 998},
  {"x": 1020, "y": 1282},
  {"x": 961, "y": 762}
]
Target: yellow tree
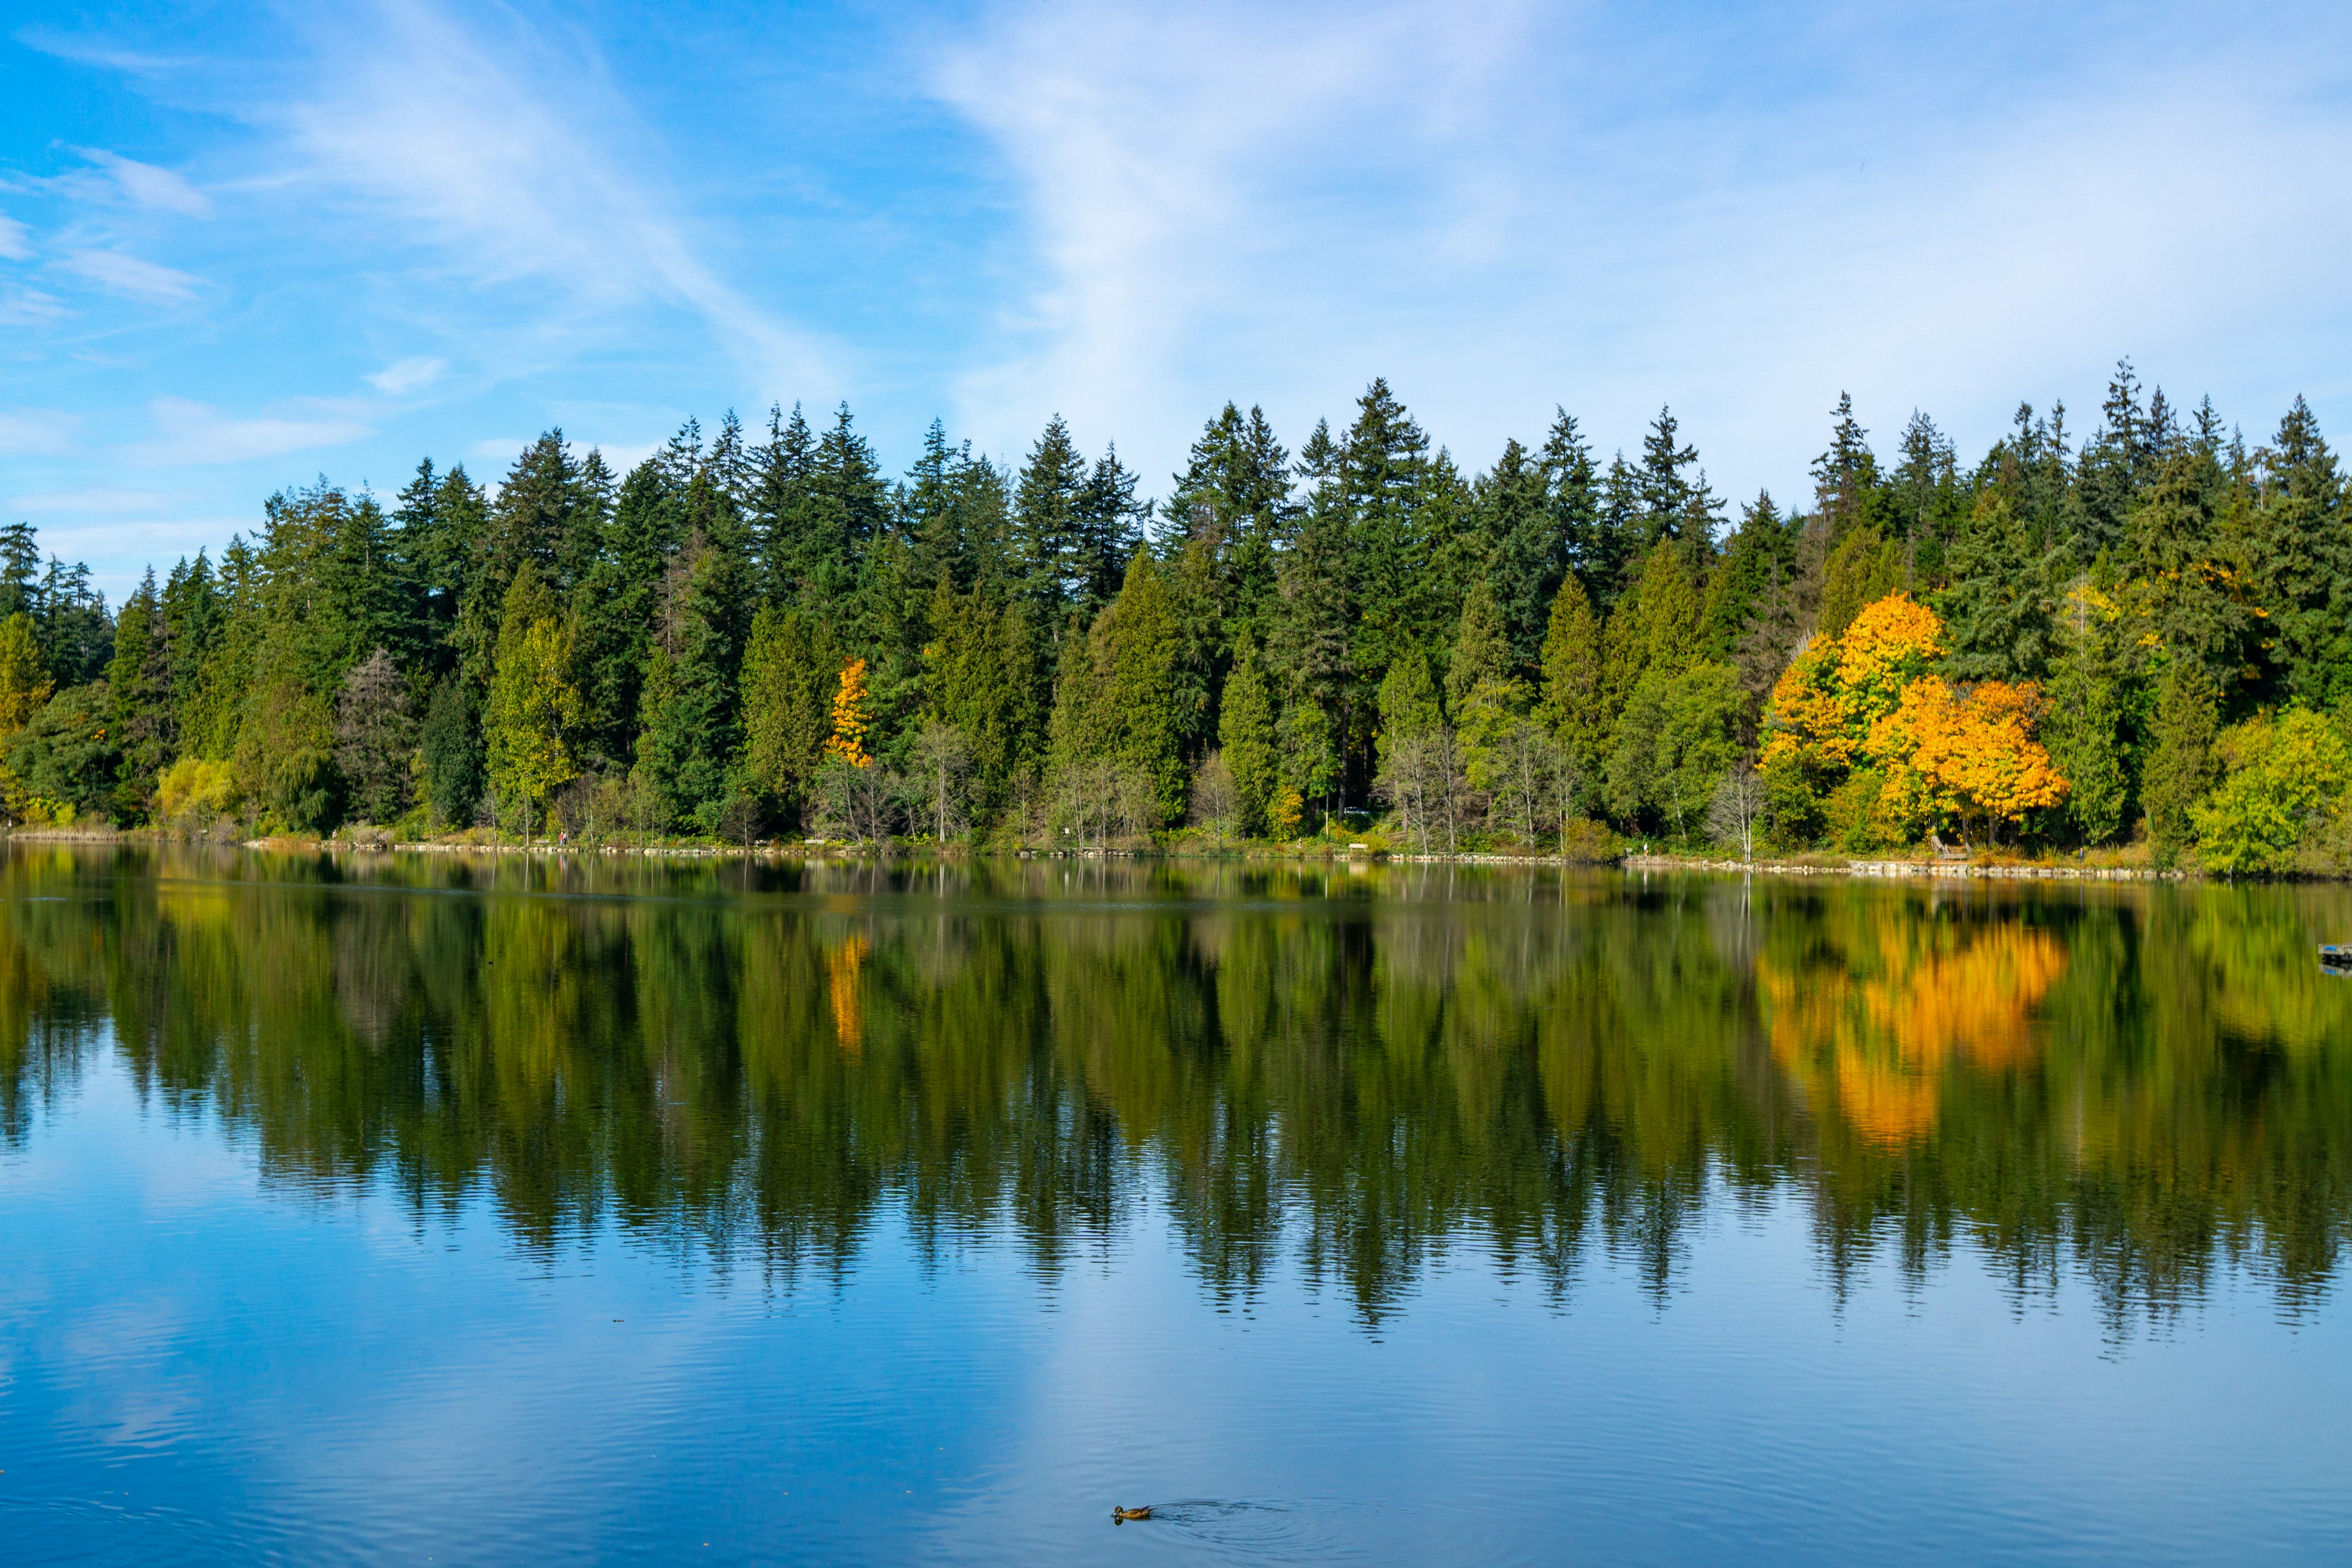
[
  {"x": 1970, "y": 755},
  {"x": 849, "y": 721},
  {"x": 1832, "y": 696}
]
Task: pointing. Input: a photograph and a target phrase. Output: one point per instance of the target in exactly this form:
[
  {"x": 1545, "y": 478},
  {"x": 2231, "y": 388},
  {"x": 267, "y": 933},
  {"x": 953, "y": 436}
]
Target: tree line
[{"x": 2146, "y": 633}]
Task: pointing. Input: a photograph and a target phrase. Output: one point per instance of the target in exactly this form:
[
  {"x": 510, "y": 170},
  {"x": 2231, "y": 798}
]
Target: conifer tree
[
  {"x": 2180, "y": 755},
  {"x": 1045, "y": 520},
  {"x": 1998, "y": 611},
  {"x": 139, "y": 685},
  {"x": 1480, "y": 652},
  {"x": 790, "y": 673},
  {"x": 1571, "y": 670},
  {"x": 1247, "y": 738},
  {"x": 687, "y": 749},
  {"x": 452, "y": 744},
  {"x": 1529, "y": 545}
]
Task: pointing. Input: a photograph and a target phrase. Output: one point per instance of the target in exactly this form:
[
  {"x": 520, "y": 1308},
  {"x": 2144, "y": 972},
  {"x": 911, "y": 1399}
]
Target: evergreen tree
[
  {"x": 374, "y": 737},
  {"x": 2180, "y": 767},
  {"x": 1107, "y": 527},
  {"x": 1997, "y": 611},
  {"x": 1479, "y": 652},
  {"x": 452, "y": 745},
  {"x": 1571, "y": 666},
  {"x": 138, "y": 683},
  {"x": 1529, "y": 534},
  {"x": 690, "y": 741},
  {"x": 792, "y": 666},
  {"x": 1046, "y": 503},
  {"x": 1845, "y": 477},
  {"x": 1247, "y": 738}
]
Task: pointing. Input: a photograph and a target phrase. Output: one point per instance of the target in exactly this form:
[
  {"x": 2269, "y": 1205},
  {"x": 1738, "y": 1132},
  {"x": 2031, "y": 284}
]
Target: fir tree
[
  {"x": 1247, "y": 738},
  {"x": 2180, "y": 755}
]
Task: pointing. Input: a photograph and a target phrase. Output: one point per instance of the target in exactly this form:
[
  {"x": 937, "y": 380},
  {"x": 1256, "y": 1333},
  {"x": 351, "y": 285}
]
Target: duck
[{"x": 1122, "y": 1515}]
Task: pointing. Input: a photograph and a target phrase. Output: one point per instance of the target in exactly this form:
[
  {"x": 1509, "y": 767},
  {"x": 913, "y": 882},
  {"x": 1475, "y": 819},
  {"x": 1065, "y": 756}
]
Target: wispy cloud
[
  {"x": 15, "y": 241},
  {"x": 518, "y": 161},
  {"x": 35, "y": 432},
  {"x": 150, "y": 187},
  {"x": 198, "y": 433},
  {"x": 408, "y": 376},
  {"x": 132, "y": 278},
  {"x": 1553, "y": 206},
  {"x": 30, "y": 308}
]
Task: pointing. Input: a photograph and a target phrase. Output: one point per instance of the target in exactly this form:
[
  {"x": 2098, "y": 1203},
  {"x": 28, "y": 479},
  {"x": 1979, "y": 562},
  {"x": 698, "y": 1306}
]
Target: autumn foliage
[
  {"x": 848, "y": 741},
  {"x": 1864, "y": 715}
]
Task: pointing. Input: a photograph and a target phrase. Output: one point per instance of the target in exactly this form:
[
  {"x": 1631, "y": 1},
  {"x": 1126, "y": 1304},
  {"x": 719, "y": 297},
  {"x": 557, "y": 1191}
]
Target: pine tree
[
  {"x": 1845, "y": 477},
  {"x": 1479, "y": 651},
  {"x": 374, "y": 737},
  {"x": 1529, "y": 545},
  {"x": 1998, "y": 611},
  {"x": 790, "y": 673},
  {"x": 1045, "y": 520},
  {"x": 1668, "y": 608},
  {"x": 2180, "y": 767},
  {"x": 452, "y": 744},
  {"x": 690, "y": 741},
  {"x": 139, "y": 684},
  {"x": 2083, "y": 727},
  {"x": 1108, "y": 526},
  {"x": 1246, "y": 736},
  {"x": 1666, "y": 495},
  {"x": 1571, "y": 666},
  {"x": 2300, "y": 562}
]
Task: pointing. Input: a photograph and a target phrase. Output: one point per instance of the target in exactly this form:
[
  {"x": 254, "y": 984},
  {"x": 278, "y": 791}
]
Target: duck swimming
[{"x": 1121, "y": 1515}]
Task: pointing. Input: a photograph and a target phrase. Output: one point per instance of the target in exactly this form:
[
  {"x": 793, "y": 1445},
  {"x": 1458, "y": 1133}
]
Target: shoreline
[{"x": 1879, "y": 869}]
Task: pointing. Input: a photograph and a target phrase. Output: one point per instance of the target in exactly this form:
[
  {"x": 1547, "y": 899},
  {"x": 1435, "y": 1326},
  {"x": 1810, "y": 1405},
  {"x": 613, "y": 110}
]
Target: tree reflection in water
[{"x": 1356, "y": 1068}]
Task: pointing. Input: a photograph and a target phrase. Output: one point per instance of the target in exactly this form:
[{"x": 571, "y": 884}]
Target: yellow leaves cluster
[
  {"x": 1870, "y": 699},
  {"x": 848, "y": 741},
  {"x": 1836, "y": 690},
  {"x": 1972, "y": 754}
]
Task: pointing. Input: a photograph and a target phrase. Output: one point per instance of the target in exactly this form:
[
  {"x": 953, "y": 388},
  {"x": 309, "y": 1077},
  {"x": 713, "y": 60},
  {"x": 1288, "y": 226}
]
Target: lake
[{"x": 421, "y": 1209}]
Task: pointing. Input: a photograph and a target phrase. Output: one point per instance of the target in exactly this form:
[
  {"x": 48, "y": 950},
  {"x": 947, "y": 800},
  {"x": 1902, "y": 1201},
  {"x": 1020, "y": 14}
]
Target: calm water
[{"x": 407, "y": 1210}]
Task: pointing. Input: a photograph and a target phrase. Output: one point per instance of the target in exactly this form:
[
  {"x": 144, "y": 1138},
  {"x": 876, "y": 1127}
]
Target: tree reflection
[{"x": 1357, "y": 1071}]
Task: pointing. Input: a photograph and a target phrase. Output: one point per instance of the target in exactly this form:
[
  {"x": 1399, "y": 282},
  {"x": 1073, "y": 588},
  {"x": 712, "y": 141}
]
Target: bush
[
  {"x": 196, "y": 790},
  {"x": 2279, "y": 776}
]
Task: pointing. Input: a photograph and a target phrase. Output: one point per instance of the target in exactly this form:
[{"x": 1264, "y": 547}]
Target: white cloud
[
  {"x": 518, "y": 162},
  {"x": 35, "y": 432},
  {"x": 30, "y": 308},
  {"x": 150, "y": 187},
  {"x": 131, "y": 278},
  {"x": 14, "y": 245},
  {"x": 191, "y": 432},
  {"x": 408, "y": 376},
  {"x": 96, "y": 498},
  {"x": 1225, "y": 201}
]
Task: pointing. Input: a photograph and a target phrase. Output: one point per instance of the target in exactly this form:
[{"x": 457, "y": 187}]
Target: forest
[{"x": 2136, "y": 642}]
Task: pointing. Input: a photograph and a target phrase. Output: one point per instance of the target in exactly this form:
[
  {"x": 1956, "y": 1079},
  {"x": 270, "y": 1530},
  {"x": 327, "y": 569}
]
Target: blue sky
[{"x": 242, "y": 247}]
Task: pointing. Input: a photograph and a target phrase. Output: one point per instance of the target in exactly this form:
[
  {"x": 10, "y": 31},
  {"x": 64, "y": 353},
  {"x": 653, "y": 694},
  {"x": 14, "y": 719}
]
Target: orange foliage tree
[
  {"x": 1870, "y": 700},
  {"x": 848, "y": 741},
  {"x": 1968, "y": 755},
  {"x": 1831, "y": 698}
]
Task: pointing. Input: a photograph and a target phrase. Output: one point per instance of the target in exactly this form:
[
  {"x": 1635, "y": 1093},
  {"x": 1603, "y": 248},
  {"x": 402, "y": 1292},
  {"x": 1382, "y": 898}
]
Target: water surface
[{"x": 410, "y": 1209}]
